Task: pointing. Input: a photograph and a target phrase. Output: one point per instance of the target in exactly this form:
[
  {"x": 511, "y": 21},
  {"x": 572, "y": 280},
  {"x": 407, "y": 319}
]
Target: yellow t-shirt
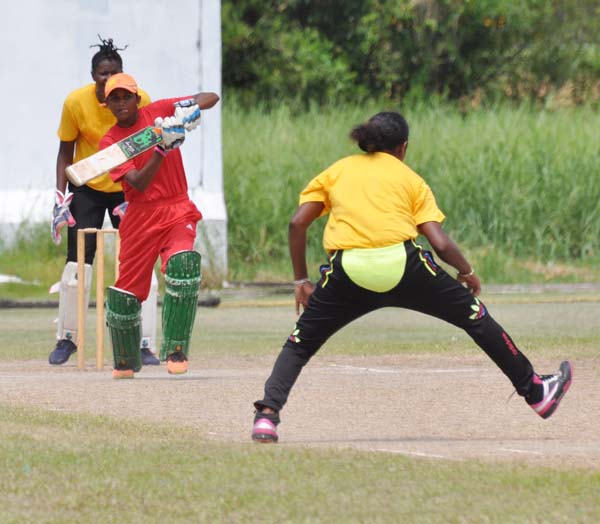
[
  {"x": 374, "y": 200},
  {"x": 84, "y": 121}
]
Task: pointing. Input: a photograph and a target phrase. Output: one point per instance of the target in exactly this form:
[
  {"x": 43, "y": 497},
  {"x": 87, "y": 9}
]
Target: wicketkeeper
[{"x": 160, "y": 221}]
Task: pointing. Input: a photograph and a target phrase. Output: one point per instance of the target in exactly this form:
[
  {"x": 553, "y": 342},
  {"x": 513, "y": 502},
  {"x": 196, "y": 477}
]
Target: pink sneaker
[
  {"x": 264, "y": 431},
  {"x": 553, "y": 389}
]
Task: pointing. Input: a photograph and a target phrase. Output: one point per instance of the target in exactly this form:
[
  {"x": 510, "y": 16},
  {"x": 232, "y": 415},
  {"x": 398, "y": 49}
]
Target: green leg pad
[
  {"x": 124, "y": 320},
  {"x": 182, "y": 279}
]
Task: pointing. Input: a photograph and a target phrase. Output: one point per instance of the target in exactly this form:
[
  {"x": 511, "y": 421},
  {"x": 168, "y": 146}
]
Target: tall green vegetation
[
  {"x": 319, "y": 51},
  {"x": 517, "y": 184}
]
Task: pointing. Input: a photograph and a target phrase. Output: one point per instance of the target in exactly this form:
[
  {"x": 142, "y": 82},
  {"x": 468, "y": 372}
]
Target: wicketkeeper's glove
[
  {"x": 61, "y": 214},
  {"x": 119, "y": 211},
  {"x": 172, "y": 130},
  {"x": 189, "y": 112}
]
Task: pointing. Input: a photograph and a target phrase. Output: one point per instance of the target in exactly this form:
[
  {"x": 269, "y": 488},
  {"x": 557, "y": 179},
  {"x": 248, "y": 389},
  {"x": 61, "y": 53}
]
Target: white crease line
[
  {"x": 409, "y": 370},
  {"x": 521, "y": 451},
  {"x": 416, "y": 454}
]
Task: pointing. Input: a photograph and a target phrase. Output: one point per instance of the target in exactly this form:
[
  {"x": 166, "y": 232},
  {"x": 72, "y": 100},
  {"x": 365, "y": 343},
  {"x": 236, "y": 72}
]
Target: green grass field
[
  {"x": 71, "y": 467},
  {"x": 516, "y": 185}
]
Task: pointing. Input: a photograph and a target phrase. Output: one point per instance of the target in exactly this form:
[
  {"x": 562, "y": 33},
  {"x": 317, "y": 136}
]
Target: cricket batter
[
  {"x": 84, "y": 121},
  {"x": 160, "y": 221},
  {"x": 377, "y": 207}
]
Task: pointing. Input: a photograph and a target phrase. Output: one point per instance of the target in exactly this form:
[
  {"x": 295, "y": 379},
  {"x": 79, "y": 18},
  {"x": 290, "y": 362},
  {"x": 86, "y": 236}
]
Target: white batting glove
[
  {"x": 189, "y": 112},
  {"x": 173, "y": 131}
]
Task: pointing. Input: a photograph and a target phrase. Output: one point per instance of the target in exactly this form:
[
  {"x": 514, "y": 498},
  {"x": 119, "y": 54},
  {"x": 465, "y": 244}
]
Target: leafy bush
[
  {"x": 267, "y": 58},
  {"x": 308, "y": 50}
]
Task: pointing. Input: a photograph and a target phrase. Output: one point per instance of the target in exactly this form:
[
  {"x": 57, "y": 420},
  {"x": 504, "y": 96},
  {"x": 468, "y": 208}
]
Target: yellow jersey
[{"x": 373, "y": 200}]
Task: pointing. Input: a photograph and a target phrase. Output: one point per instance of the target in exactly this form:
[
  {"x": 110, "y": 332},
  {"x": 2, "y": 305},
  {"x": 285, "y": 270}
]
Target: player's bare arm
[
  {"x": 140, "y": 179},
  {"x": 449, "y": 252},
  {"x": 304, "y": 216},
  {"x": 64, "y": 159},
  {"x": 206, "y": 100}
]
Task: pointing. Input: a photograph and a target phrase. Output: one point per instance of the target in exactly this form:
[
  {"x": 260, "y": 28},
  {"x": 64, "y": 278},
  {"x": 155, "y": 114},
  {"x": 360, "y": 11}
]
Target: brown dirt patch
[{"x": 441, "y": 407}]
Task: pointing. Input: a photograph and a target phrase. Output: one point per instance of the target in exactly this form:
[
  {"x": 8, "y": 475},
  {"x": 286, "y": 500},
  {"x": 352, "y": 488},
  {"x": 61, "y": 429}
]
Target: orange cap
[{"x": 120, "y": 81}]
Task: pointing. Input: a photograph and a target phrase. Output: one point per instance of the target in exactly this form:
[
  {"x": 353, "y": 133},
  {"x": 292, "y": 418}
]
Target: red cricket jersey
[
  {"x": 170, "y": 180},
  {"x": 159, "y": 221}
]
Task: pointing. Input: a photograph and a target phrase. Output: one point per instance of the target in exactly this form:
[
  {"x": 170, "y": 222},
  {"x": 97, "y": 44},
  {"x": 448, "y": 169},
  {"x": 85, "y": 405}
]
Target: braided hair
[
  {"x": 107, "y": 51},
  {"x": 383, "y": 132}
]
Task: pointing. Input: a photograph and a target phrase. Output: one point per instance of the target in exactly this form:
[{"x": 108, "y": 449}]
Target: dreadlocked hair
[{"x": 107, "y": 51}]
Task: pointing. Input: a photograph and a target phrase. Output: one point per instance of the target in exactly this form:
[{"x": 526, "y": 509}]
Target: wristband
[
  {"x": 469, "y": 274},
  {"x": 160, "y": 151},
  {"x": 301, "y": 281},
  {"x": 188, "y": 102}
]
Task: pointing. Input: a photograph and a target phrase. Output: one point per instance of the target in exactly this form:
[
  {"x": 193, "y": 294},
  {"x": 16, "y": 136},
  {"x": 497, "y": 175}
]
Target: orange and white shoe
[
  {"x": 122, "y": 373},
  {"x": 177, "y": 363}
]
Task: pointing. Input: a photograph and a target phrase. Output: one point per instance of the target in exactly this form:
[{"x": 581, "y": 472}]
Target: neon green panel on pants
[
  {"x": 123, "y": 316},
  {"x": 376, "y": 269},
  {"x": 182, "y": 281}
]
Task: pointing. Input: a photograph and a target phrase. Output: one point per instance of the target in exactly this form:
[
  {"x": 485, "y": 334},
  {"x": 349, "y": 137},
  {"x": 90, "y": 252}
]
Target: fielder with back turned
[
  {"x": 160, "y": 221},
  {"x": 377, "y": 208}
]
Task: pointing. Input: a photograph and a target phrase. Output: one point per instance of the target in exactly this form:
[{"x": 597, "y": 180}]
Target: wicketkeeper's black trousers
[
  {"x": 424, "y": 287},
  {"x": 89, "y": 207}
]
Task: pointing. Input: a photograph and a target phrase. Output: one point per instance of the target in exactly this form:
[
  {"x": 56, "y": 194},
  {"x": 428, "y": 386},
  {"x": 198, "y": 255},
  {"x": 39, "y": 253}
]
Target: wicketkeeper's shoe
[
  {"x": 548, "y": 390},
  {"x": 177, "y": 363},
  {"x": 149, "y": 358},
  {"x": 264, "y": 431},
  {"x": 119, "y": 373},
  {"x": 61, "y": 353}
]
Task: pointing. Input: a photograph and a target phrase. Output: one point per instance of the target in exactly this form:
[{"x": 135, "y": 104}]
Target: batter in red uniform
[{"x": 160, "y": 221}]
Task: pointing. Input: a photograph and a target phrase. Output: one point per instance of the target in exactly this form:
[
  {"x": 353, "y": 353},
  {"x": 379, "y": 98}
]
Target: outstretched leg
[
  {"x": 429, "y": 289},
  {"x": 336, "y": 302}
]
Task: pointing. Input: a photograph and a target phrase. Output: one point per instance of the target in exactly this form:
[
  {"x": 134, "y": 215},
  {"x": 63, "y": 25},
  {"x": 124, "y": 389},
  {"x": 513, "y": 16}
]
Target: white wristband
[{"x": 301, "y": 281}]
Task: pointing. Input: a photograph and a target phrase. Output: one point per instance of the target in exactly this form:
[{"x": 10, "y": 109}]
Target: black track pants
[
  {"x": 424, "y": 287},
  {"x": 89, "y": 208}
]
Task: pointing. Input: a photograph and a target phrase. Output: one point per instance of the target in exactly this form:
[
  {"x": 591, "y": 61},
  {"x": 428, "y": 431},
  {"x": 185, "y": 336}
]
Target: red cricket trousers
[{"x": 149, "y": 230}]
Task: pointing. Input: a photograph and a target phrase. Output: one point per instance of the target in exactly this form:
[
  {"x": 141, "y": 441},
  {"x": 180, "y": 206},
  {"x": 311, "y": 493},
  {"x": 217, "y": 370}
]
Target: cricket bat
[{"x": 113, "y": 156}]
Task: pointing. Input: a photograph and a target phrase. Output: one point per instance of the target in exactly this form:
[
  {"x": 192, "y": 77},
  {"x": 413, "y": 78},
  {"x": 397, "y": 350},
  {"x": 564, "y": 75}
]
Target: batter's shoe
[
  {"x": 264, "y": 431},
  {"x": 119, "y": 373},
  {"x": 61, "y": 353},
  {"x": 149, "y": 358},
  {"x": 177, "y": 363},
  {"x": 548, "y": 390}
]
